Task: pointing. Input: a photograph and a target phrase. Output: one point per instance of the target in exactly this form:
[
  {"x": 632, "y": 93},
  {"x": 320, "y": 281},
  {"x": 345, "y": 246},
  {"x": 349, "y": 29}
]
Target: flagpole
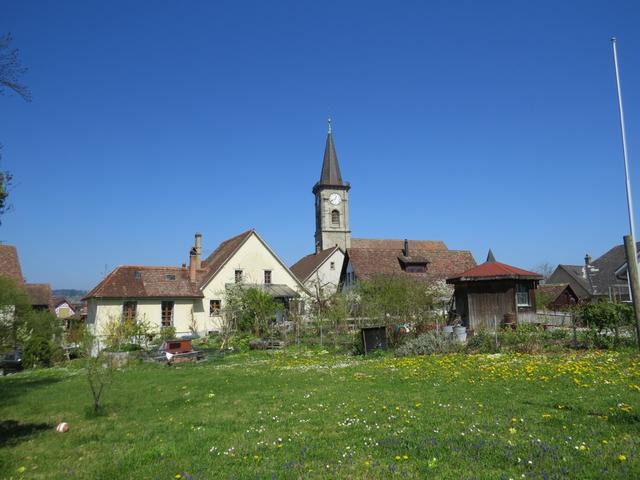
[{"x": 632, "y": 227}]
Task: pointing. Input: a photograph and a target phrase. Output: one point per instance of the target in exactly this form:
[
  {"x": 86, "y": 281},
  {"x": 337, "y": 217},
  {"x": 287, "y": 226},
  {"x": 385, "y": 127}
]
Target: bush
[
  {"x": 483, "y": 341},
  {"x": 167, "y": 333},
  {"x": 40, "y": 352},
  {"x": 429, "y": 343}
]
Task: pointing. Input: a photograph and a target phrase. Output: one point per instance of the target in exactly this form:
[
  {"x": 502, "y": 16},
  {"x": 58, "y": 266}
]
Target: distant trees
[{"x": 545, "y": 269}]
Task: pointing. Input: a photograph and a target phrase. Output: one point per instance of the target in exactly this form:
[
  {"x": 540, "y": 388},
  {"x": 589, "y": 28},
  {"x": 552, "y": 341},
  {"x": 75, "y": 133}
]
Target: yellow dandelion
[
  {"x": 398, "y": 457},
  {"x": 622, "y": 458},
  {"x": 512, "y": 430},
  {"x": 22, "y": 469}
]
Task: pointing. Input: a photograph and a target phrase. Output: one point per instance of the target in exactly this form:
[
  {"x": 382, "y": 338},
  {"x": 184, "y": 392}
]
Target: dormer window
[
  {"x": 170, "y": 276},
  {"x": 417, "y": 268}
]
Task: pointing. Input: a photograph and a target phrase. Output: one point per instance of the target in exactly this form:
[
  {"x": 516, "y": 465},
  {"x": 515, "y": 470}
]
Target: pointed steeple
[
  {"x": 490, "y": 257},
  {"x": 330, "y": 174}
]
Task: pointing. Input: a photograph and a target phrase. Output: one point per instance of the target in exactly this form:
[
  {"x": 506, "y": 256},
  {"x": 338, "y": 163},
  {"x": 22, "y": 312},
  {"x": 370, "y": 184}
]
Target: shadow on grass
[
  {"x": 16, "y": 386},
  {"x": 12, "y": 431}
]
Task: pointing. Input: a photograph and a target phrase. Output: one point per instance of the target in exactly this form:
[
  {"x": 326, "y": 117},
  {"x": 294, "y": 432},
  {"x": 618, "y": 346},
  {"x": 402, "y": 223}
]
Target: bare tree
[
  {"x": 10, "y": 72},
  {"x": 11, "y": 69},
  {"x": 545, "y": 269}
]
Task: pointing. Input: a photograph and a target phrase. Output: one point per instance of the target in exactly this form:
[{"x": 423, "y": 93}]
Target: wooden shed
[{"x": 495, "y": 293}]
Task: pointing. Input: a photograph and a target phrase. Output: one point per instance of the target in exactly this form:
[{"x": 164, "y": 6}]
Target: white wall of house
[
  {"x": 101, "y": 311},
  {"x": 253, "y": 258},
  {"x": 327, "y": 276}
]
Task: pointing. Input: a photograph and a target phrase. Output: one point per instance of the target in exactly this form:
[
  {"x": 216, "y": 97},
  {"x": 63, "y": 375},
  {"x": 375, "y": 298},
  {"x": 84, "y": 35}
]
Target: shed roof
[{"x": 494, "y": 271}]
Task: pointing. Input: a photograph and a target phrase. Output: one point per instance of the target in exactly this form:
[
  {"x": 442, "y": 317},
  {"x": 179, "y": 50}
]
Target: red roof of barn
[{"x": 494, "y": 271}]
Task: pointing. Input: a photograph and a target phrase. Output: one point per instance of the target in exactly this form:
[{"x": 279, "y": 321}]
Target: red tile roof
[
  {"x": 10, "y": 264},
  {"x": 304, "y": 267},
  {"x": 494, "y": 270},
  {"x": 142, "y": 281},
  {"x": 394, "y": 244},
  {"x": 382, "y": 258}
]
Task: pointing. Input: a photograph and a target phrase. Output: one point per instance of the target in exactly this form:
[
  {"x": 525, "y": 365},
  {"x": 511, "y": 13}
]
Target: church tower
[{"x": 332, "y": 202}]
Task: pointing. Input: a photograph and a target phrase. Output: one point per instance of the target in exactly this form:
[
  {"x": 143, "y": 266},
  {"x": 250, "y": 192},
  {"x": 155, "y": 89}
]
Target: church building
[{"x": 340, "y": 261}]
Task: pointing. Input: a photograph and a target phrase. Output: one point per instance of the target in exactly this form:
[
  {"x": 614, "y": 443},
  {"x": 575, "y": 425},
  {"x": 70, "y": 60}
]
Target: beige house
[
  {"x": 320, "y": 272},
  {"x": 191, "y": 298}
]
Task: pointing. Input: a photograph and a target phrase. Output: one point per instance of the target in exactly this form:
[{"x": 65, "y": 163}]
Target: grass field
[{"x": 314, "y": 415}]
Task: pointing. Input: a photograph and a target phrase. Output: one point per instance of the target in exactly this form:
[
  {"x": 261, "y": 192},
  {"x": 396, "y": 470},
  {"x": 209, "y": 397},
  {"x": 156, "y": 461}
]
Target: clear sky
[{"x": 483, "y": 124}]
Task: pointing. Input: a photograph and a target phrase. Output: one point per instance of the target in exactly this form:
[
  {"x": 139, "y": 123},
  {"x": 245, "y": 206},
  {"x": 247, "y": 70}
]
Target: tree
[
  {"x": 11, "y": 69},
  {"x": 545, "y": 269},
  {"x": 249, "y": 309},
  {"x": 10, "y": 72},
  {"x": 15, "y": 309}
]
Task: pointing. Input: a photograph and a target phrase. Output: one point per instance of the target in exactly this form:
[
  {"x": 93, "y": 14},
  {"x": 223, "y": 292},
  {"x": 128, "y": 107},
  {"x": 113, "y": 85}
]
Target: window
[
  {"x": 335, "y": 217},
  {"x": 267, "y": 277},
  {"x": 333, "y": 265},
  {"x": 416, "y": 268},
  {"x": 167, "y": 314},
  {"x": 238, "y": 276},
  {"x": 170, "y": 276},
  {"x": 129, "y": 310},
  {"x": 214, "y": 307},
  {"x": 138, "y": 275},
  {"x": 522, "y": 295}
]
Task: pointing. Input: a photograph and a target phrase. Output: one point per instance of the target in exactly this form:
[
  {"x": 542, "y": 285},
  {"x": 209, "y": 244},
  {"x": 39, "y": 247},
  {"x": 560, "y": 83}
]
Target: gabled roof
[
  {"x": 132, "y": 281},
  {"x": 494, "y": 271},
  {"x": 603, "y": 269},
  {"x": 382, "y": 257},
  {"x": 330, "y": 174},
  {"x": 39, "y": 294},
  {"x": 553, "y": 290},
  {"x": 222, "y": 254},
  {"x": 306, "y": 266},
  {"x": 57, "y": 301},
  {"x": 10, "y": 264}
]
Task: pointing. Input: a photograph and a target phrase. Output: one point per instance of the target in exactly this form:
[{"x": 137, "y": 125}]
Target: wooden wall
[{"x": 478, "y": 303}]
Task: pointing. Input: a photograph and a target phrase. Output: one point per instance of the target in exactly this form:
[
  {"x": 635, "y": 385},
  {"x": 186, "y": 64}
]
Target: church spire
[
  {"x": 330, "y": 174},
  {"x": 490, "y": 257}
]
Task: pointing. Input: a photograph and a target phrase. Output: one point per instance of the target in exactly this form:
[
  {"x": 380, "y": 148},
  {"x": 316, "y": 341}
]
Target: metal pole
[{"x": 632, "y": 227}]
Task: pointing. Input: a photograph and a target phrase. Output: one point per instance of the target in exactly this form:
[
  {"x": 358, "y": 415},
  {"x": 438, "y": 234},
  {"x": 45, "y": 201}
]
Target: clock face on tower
[{"x": 335, "y": 199}]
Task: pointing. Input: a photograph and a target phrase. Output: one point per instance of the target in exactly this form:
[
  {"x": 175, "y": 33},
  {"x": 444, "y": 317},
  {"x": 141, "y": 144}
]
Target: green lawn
[{"x": 309, "y": 415}]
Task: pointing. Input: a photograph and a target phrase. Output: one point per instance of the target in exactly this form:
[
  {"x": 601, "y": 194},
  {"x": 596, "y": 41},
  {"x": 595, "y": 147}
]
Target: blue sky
[{"x": 483, "y": 124}]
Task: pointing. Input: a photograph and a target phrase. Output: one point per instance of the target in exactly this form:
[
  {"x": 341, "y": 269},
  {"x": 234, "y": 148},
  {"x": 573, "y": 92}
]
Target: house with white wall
[{"x": 191, "y": 298}]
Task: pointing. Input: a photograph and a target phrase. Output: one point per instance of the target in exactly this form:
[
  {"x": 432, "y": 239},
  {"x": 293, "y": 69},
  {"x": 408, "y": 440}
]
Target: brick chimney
[
  {"x": 194, "y": 258},
  {"x": 198, "y": 249},
  {"x": 406, "y": 248}
]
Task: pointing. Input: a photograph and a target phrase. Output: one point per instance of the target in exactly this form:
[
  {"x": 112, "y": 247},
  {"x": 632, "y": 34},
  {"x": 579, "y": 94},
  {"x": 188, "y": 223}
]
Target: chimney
[
  {"x": 194, "y": 258},
  {"x": 406, "y": 248},
  {"x": 587, "y": 260},
  {"x": 198, "y": 248}
]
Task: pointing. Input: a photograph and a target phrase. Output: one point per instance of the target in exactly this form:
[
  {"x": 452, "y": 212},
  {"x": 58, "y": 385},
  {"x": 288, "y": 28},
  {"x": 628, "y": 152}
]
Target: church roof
[
  {"x": 304, "y": 267},
  {"x": 370, "y": 258},
  {"x": 330, "y": 174}
]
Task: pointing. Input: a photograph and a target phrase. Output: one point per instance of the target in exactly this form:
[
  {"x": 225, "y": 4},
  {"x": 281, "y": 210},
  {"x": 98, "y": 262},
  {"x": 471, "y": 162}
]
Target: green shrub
[
  {"x": 168, "y": 333},
  {"x": 483, "y": 341},
  {"x": 40, "y": 352},
  {"x": 429, "y": 343}
]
